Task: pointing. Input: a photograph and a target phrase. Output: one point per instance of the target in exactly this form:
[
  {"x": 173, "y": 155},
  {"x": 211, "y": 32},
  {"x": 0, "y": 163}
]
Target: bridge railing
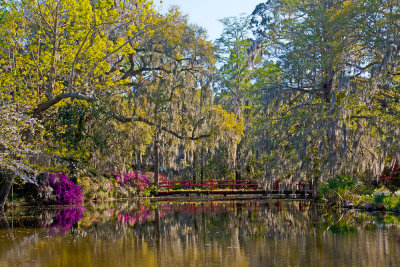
[
  {"x": 212, "y": 185},
  {"x": 208, "y": 185}
]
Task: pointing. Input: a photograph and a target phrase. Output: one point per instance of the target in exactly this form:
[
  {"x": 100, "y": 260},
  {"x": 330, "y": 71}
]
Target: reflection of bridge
[
  {"x": 207, "y": 207},
  {"x": 232, "y": 187},
  {"x": 223, "y": 207}
]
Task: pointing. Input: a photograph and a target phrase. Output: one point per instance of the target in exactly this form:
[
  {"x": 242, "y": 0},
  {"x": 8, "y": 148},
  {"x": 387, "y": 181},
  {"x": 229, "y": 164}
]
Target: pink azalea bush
[{"x": 136, "y": 179}]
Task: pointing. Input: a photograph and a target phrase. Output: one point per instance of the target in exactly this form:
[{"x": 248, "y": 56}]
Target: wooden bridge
[{"x": 232, "y": 187}]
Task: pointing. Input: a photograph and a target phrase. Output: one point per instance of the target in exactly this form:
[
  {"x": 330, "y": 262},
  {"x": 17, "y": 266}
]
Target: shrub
[
  {"x": 89, "y": 186},
  {"x": 150, "y": 191},
  {"x": 337, "y": 189},
  {"x": 381, "y": 198},
  {"x": 135, "y": 183},
  {"x": 59, "y": 188},
  {"x": 391, "y": 202},
  {"x": 366, "y": 199},
  {"x": 364, "y": 189},
  {"x": 96, "y": 188},
  {"x": 391, "y": 175},
  {"x": 380, "y": 193}
]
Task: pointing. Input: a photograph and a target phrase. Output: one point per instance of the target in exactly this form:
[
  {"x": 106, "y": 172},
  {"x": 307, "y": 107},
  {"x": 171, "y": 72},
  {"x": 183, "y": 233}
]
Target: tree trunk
[
  {"x": 156, "y": 160},
  {"x": 202, "y": 165},
  {"x": 237, "y": 162},
  {"x": 7, "y": 179},
  {"x": 194, "y": 166}
]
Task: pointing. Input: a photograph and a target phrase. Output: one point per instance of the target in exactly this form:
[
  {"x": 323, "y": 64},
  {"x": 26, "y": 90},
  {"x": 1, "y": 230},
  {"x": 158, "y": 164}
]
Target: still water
[{"x": 199, "y": 233}]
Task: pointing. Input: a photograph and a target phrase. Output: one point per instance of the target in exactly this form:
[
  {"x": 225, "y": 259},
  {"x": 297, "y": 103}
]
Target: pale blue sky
[{"x": 207, "y": 13}]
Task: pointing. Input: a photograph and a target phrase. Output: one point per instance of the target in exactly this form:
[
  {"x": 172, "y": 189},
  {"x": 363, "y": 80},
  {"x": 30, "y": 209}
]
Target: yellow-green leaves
[{"x": 66, "y": 46}]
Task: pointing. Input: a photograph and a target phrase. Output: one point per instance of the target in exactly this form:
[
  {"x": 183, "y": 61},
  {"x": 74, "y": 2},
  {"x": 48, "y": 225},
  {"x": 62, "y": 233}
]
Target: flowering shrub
[
  {"x": 137, "y": 180},
  {"x": 61, "y": 189}
]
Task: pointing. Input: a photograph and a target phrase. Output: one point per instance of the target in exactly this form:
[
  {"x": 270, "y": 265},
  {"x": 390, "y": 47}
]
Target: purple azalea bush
[{"x": 65, "y": 191}]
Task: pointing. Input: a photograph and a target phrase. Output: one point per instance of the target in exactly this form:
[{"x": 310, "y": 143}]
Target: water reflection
[
  {"x": 203, "y": 233},
  {"x": 63, "y": 220}
]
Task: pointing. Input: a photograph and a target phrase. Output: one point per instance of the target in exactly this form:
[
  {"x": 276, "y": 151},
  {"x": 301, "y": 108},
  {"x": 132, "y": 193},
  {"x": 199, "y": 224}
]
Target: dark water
[{"x": 199, "y": 233}]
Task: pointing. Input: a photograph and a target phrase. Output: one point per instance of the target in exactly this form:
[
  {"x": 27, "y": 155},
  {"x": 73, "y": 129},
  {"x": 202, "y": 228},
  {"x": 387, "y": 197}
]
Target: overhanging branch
[
  {"x": 49, "y": 103},
  {"x": 179, "y": 136}
]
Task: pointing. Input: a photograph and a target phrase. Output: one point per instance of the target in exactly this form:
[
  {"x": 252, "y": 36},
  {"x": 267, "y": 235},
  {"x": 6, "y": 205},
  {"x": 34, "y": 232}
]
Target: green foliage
[
  {"x": 390, "y": 202},
  {"x": 96, "y": 188},
  {"x": 339, "y": 182},
  {"x": 150, "y": 191},
  {"x": 381, "y": 198},
  {"x": 364, "y": 189},
  {"x": 380, "y": 194},
  {"x": 365, "y": 198},
  {"x": 338, "y": 189}
]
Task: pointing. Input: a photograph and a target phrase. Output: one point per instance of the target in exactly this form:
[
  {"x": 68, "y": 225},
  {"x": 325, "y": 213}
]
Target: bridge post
[
  {"x": 305, "y": 189},
  {"x": 233, "y": 184},
  {"x": 293, "y": 189}
]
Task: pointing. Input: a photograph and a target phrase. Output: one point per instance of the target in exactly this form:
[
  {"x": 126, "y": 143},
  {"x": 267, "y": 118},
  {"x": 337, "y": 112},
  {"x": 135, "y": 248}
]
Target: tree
[
  {"x": 170, "y": 90},
  {"x": 66, "y": 49},
  {"x": 53, "y": 51},
  {"x": 334, "y": 60},
  {"x": 242, "y": 69},
  {"x": 16, "y": 147}
]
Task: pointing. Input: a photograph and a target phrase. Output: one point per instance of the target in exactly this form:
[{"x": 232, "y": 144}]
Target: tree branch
[
  {"x": 179, "y": 136},
  {"x": 133, "y": 72},
  {"x": 49, "y": 103}
]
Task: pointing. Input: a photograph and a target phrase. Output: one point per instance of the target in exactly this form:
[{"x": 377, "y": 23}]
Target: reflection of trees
[
  {"x": 3, "y": 220},
  {"x": 237, "y": 233}
]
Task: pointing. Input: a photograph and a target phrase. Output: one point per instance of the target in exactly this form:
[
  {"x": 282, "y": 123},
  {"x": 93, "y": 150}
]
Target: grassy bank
[{"x": 351, "y": 192}]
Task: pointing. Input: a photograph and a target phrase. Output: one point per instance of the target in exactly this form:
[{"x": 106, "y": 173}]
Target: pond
[{"x": 199, "y": 233}]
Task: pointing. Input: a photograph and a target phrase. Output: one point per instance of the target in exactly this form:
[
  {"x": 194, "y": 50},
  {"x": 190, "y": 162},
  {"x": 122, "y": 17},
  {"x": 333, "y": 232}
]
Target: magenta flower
[{"x": 65, "y": 190}]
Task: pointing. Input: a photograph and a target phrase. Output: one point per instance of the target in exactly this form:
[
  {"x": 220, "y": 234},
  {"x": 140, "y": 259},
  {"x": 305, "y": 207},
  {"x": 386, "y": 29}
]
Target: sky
[{"x": 207, "y": 13}]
